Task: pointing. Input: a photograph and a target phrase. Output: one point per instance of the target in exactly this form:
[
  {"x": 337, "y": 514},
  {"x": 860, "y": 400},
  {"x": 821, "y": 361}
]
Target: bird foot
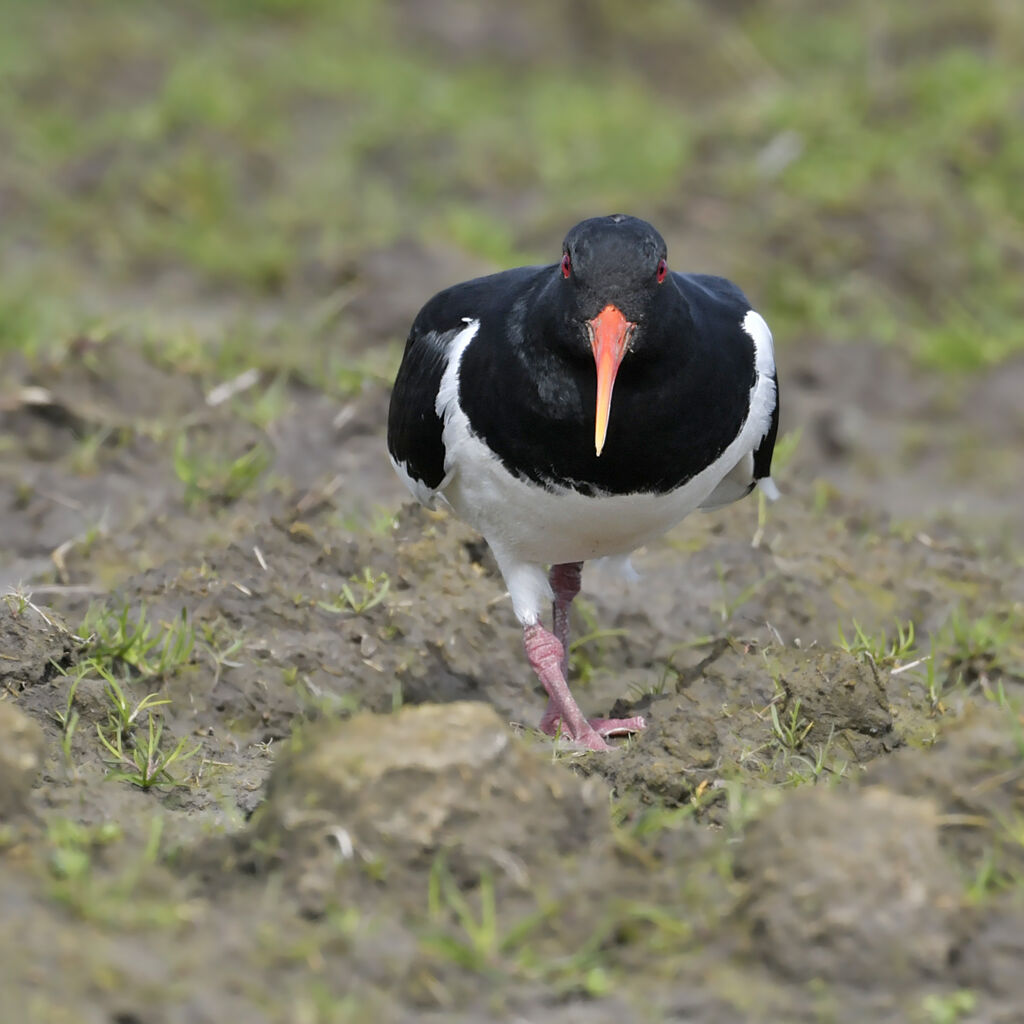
[{"x": 563, "y": 715}]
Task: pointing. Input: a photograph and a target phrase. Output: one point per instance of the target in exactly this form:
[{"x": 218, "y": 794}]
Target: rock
[
  {"x": 21, "y": 758},
  {"x": 850, "y": 885}
]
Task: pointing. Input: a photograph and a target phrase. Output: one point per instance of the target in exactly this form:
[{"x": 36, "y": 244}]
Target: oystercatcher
[{"x": 581, "y": 409}]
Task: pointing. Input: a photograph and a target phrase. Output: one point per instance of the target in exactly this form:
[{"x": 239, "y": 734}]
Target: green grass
[
  {"x": 123, "y": 648},
  {"x": 949, "y": 1008},
  {"x": 732, "y": 600},
  {"x": 138, "y": 755},
  {"x": 883, "y": 650},
  {"x": 467, "y": 930},
  {"x": 210, "y": 476},
  {"x": 123, "y": 637},
  {"x": 78, "y": 880},
  {"x": 971, "y": 648},
  {"x": 790, "y": 729},
  {"x": 68, "y": 718},
  {"x": 859, "y": 176},
  {"x": 363, "y": 592},
  {"x": 977, "y": 644}
]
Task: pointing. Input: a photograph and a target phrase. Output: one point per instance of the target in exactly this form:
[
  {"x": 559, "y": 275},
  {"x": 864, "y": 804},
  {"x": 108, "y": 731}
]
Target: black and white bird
[{"x": 579, "y": 410}]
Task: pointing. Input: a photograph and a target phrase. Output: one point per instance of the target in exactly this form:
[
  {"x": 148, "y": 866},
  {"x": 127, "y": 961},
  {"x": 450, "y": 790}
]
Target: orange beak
[{"x": 610, "y": 332}]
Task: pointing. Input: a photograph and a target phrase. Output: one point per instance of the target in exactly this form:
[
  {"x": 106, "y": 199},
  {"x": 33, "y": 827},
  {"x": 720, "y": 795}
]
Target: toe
[{"x": 618, "y": 726}]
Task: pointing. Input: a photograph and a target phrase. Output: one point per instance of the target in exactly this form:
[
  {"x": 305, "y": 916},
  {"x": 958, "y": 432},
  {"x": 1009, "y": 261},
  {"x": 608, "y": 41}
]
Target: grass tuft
[
  {"x": 363, "y": 592},
  {"x": 125, "y": 637},
  {"x": 879, "y": 648},
  {"x": 217, "y": 478}
]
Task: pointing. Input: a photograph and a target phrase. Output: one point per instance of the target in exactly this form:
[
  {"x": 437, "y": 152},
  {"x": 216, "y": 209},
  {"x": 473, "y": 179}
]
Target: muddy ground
[
  {"x": 267, "y": 733},
  {"x": 363, "y": 823}
]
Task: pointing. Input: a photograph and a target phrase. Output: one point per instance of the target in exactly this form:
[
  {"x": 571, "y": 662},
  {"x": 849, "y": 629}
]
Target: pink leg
[
  {"x": 565, "y": 585},
  {"x": 562, "y": 708},
  {"x": 546, "y": 655}
]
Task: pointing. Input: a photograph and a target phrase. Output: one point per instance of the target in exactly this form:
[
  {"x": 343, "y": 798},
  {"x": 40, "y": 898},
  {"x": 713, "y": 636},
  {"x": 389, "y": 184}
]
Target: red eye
[
  {"x": 662, "y": 272},
  {"x": 566, "y": 265}
]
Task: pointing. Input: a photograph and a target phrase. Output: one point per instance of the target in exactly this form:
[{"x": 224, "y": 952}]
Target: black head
[
  {"x": 618, "y": 259},
  {"x": 612, "y": 273}
]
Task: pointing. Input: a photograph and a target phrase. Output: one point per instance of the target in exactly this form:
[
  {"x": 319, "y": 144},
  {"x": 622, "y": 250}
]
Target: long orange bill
[{"x": 610, "y": 332}]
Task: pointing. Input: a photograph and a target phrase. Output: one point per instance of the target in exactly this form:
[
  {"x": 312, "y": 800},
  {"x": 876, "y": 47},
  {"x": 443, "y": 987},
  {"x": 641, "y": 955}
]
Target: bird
[{"x": 578, "y": 410}]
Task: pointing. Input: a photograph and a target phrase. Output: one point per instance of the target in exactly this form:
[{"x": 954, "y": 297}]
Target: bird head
[{"x": 610, "y": 275}]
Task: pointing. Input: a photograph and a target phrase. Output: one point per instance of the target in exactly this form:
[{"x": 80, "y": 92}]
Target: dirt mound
[
  {"x": 21, "y": 758},
  {"x": 765, "y": 711},
  {"x": 437, "y": 781},
  {"x": 34, "y": 644},
  {"x": 851, "y": 887},
  {"x": 975, "y": 774}
]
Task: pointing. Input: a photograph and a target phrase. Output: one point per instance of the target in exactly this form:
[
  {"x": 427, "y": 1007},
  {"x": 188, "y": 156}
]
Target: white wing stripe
[{"x": 764, "y": 350}]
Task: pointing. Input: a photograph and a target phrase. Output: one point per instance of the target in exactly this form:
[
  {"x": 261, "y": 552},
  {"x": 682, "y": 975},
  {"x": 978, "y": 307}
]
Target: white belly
[{"x": 528, "y": 523}]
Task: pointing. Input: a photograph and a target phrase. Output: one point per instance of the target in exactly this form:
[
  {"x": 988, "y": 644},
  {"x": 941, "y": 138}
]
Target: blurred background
[
  {"x": 857, "y": 167},
  {"x": 217, "y": 221},
  {"x": 257, "y": 196}
]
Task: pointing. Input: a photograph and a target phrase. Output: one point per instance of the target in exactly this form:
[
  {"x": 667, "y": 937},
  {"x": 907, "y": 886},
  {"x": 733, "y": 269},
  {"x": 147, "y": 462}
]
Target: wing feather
[
  {"x": 755, "y": 467},
  {"x": 415, "y": 431}
]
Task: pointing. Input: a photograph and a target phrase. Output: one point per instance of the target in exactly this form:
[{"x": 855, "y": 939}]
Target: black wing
[
  {"x": 755, "y": 467},
  {"x": 765, "y": 450},
  {"x": 414, "y": 428},
  {"x": 415, "y": 431}
]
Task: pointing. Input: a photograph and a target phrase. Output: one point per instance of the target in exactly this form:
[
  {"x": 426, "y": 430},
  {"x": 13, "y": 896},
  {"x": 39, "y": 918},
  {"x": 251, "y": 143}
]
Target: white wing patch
[
  {"x": 448, "y": 392},
  {"x": 446, "y": 403},
  {"x": 454, "y": 420},
  {"x": 764, "y": 349},
  {"x": 737, "y": 482},
  {"x": 764, "y": 396}
]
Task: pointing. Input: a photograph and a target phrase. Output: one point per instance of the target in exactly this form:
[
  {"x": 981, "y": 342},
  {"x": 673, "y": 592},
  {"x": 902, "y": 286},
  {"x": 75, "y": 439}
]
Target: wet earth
[{"x": 361, "y": 822}]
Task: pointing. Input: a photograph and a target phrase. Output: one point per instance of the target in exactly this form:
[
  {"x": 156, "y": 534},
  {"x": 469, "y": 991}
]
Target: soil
[{"x": 371, "y": 829}]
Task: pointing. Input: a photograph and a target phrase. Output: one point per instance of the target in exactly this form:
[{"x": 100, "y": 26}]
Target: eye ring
[
  {"x": 662, "y": 272},
  {"x": 566, "y": 265}
]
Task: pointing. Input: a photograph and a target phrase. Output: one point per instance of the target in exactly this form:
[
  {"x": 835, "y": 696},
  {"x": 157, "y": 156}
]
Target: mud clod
[
  {"x": 33, "y": 649},
  {"x": 676, "y": 752},
  {"x": 842, "y": 697},
  {"x": 846, "y": 885},
  {"x": 436, "y": 779},
  {"x": 22, "y": 752},
  {"x": 834, "y": 704},
  {"x": 976, "y": 775}
]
